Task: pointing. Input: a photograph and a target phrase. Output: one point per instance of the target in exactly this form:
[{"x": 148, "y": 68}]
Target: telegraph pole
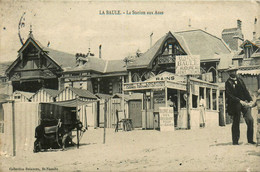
[{"x": 188, "y": 102}]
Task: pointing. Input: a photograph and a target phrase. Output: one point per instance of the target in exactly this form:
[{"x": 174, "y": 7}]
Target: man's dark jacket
[{"x": 235, "y": 93}]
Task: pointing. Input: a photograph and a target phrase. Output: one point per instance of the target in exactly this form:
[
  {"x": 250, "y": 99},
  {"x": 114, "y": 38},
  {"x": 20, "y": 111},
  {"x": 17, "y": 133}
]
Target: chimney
[
  {"x": 100, "y": 51},
  {"x": 254, "y": 32},
  {"x": 239, "y": 24}
]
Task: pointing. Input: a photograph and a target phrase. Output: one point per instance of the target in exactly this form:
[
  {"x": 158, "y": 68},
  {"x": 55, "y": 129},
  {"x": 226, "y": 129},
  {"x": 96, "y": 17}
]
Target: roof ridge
[
  {"x": 46, "y": 48},
  {"x": 202, "y": 31},
  {"x": 187, "y": 30}
]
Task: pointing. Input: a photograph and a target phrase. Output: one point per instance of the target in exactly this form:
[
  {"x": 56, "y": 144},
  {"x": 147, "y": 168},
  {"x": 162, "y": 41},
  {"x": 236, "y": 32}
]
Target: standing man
[{"x": 239, "y": 100}]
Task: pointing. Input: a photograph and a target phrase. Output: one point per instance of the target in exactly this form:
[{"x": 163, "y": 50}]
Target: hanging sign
[
  {"x": 187, "y": 65},
  {"x": 166, "y": 119}
]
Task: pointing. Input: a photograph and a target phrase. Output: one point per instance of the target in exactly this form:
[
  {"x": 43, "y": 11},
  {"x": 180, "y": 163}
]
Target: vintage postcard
[{"x": 163, "y": 85}]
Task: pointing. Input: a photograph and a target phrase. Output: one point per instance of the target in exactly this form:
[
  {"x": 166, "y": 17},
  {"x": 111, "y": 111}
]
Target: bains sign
[
  {"x": 167, "y": 76},
  {"x": 188, "y": 65}
]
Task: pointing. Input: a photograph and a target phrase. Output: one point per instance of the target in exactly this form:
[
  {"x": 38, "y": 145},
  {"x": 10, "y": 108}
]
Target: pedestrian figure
[
  {"x": 202, "y": 107},
  {"x": 117, "y": 121},
  {"x": 239, "y": 100}
]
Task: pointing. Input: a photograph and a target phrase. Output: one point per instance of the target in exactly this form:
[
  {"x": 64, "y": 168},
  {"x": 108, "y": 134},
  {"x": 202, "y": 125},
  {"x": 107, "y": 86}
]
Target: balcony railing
[{"x": 166, "y": 59}]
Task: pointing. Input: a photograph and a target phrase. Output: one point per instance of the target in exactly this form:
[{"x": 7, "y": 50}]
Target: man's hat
[{"x": 233, "y": 76}]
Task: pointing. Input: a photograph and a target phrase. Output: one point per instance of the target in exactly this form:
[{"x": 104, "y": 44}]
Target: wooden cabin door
[{"x": 135, "y": 112}]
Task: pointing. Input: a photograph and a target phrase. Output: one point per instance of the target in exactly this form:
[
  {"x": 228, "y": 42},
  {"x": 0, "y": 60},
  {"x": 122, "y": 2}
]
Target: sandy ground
[{"x": 208, "y": 149}]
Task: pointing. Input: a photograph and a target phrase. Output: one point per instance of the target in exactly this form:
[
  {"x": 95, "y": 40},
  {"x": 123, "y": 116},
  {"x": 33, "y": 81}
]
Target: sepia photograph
[{"x": 162, "y": 85}]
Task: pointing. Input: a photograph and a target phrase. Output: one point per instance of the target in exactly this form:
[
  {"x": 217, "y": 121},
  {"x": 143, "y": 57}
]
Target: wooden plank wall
[
  {"x": 66, "y": 94},
  {"x": 26, "y": 118},
  {"x": 112, "y": 105},
  {"x": 41, "y": 96}
]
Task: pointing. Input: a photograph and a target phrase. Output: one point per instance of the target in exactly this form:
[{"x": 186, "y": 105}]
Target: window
[
  {"x": 214, "y": 99},
  {"x": 208, "y": 98},
  {"x": 17, "y": 97},
  {"x": 80, "y": 85},
  {"x": 170, "y": 49},
  {"x": 248, "y": 51},
  {"x": 194, "y": 101}
]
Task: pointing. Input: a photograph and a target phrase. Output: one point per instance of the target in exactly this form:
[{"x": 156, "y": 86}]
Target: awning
[
  {"x": 249, "y": 72},
  {"x": 71, "y": 103}
]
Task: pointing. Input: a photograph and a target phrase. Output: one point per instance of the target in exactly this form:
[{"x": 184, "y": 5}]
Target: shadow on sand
[
  {"x": 225, "y": 144},
  {"x": 254, "y": 153}
]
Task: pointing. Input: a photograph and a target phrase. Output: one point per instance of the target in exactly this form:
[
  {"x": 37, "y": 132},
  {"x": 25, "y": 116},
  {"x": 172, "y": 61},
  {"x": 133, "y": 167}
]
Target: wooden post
[
  {"x": 13, "y": 128},
  {"x": 217, "y": 99},
  {"x": 129, "y": 77},
  {"x": 152, "y": 107},
  {"x": 211, "y": 99},
  {"x": 145, "y": 106},
  {"x": 205, "y": 97},
  {"x": 188, "y": 101},
  {"x": 165, "y": 90},
  {"x": 105, "y": 122},
  {"x": 123, "y": 97},
  {"x": 77, "y": 138},
  {"x": 77, "y": 113},
  {"x": 179, "y": 100},
  {"x": 224, "y": 106}
]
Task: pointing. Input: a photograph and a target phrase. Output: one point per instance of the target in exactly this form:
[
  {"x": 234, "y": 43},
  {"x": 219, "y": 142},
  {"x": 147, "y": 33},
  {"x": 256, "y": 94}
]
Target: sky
[{"x": 76, "y": 26}]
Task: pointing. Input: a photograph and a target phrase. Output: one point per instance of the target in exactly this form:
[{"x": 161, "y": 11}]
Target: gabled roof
[
  {"x": 204, "y": 44},
  {"x": 63, "y": 59},
  {"x": 193, "y": 42},
  {"x": 82, "y": 93},
  {"x": 248, "y": 42},
  {"x": 115, "y": 66},
  {"x": 92, "y": 64},
  {"x": 51, "y": 92},
  {"x": 103, "y": 96},
  {"x": 28, "y": 95},
  {"x": 146, "y": 58},
  {"x": 100, "y": 65}
]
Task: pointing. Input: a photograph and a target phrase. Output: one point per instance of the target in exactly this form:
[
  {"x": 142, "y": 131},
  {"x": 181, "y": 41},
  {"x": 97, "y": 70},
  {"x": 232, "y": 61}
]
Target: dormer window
[
  {"x": 170, "y": 49},
  {"x": 248, "y": 51}
]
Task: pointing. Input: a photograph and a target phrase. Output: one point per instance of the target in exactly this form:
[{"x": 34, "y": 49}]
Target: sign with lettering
[
  {"x": 166, "y": 119},
  {"x": 188, "y": 65},
  {"x": 143, "y": 85},
  {"x": 167, "y": 76}
]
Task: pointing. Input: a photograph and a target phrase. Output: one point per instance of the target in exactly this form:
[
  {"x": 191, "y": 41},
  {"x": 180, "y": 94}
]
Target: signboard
[
  {"x": 166, "y": 119},
  {"x": 187, "y": 65},
  {"x": 144, "y": 85},
  {"x": 167, "y": 76},
  {"x": 195, "y": 89},
  {"x": 159, "y": 97}
]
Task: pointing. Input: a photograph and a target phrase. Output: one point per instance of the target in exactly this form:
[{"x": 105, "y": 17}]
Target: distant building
[
  {"x": 37, "y": 67},
  {"x": 5, "y": 86},
  {"x": 95, "y": 74},
  {"x": 162, "y": 55},
  {"x": 248, "y": 61},
  {"x": 233, "y": 37}
]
